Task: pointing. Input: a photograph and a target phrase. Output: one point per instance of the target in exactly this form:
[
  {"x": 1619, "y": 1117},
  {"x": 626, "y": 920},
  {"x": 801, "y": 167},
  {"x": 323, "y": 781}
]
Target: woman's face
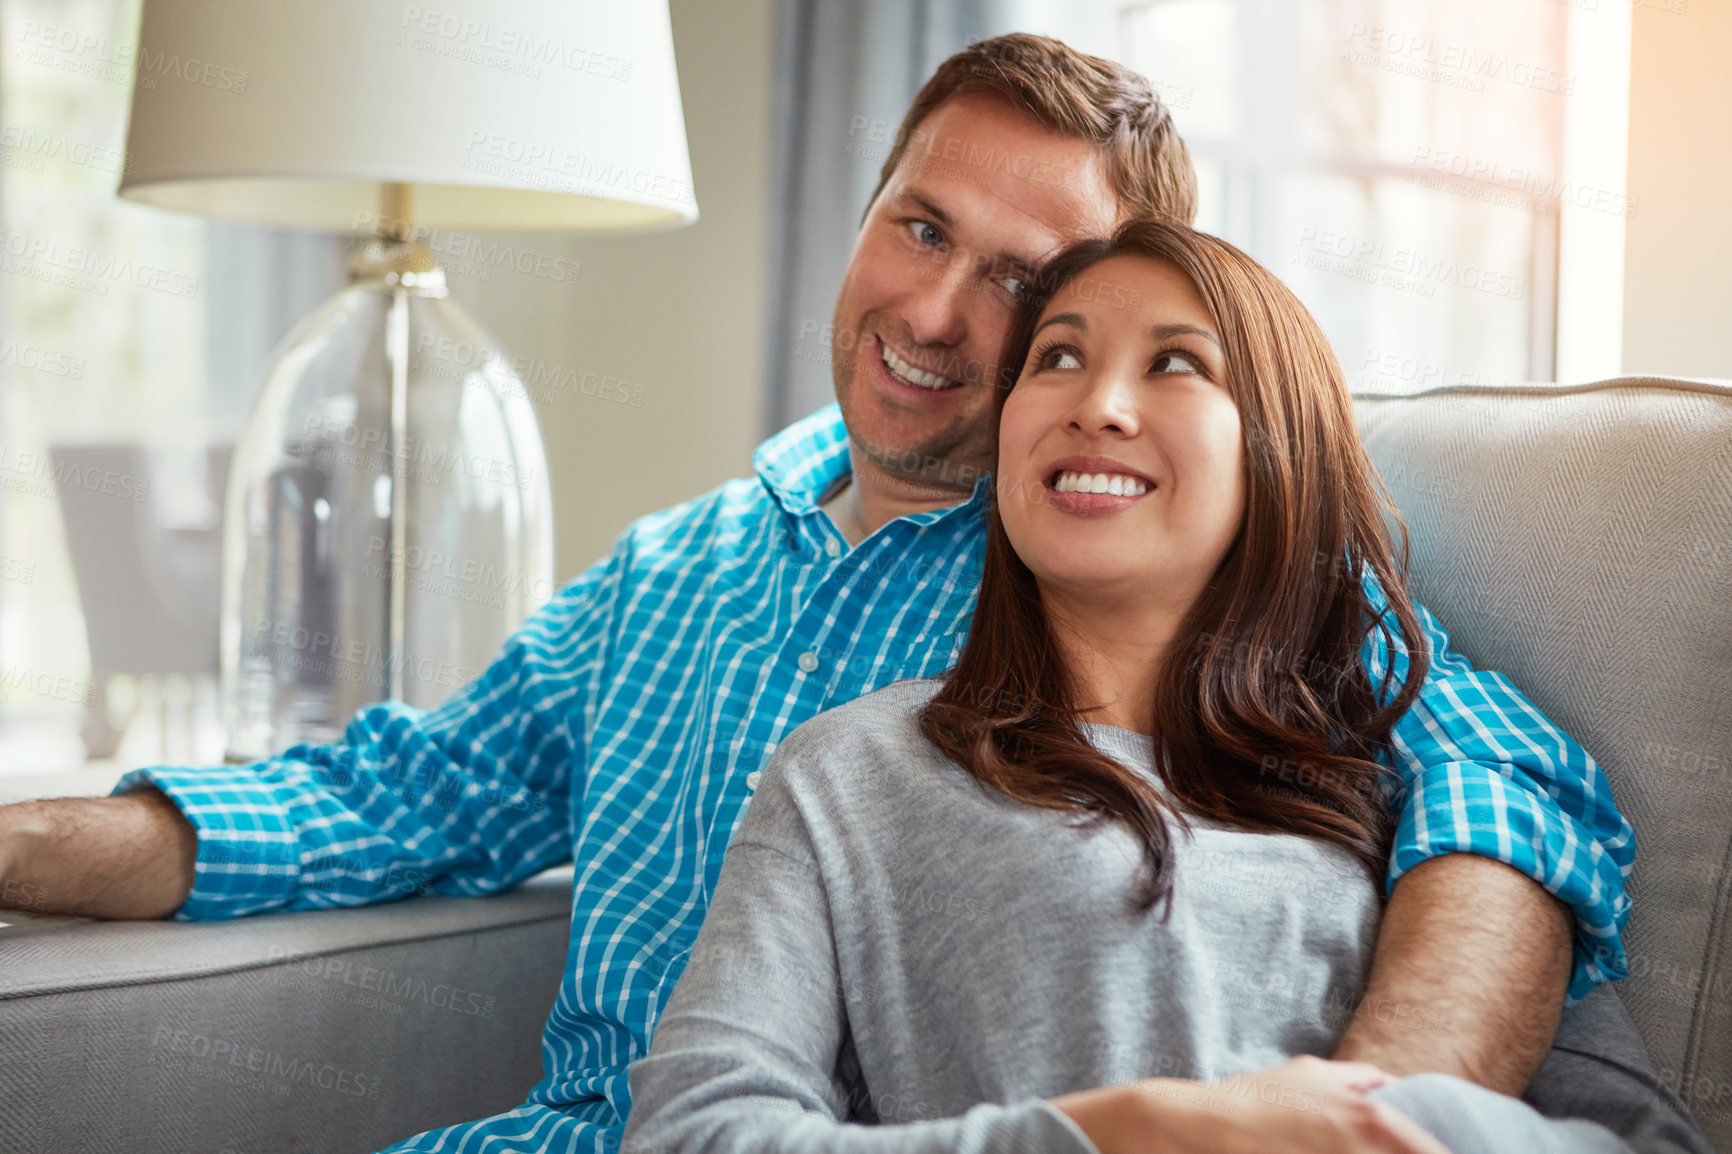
[{"x": 1120, "y": 471}]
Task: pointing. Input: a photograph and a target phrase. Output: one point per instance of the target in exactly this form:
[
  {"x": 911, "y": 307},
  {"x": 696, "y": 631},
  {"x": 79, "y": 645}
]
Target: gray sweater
[{"x": 892, "y": 943}]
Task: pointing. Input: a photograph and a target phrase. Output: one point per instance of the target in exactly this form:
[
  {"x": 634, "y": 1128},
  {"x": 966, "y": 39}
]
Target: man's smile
[{"x": 905, "y": 372}]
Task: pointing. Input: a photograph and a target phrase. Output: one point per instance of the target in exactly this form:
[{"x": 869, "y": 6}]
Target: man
[{"x": 624, "y": 726}]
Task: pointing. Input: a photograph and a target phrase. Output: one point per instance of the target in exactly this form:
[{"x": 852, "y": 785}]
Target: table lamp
[{"x": 388, "y": 520}]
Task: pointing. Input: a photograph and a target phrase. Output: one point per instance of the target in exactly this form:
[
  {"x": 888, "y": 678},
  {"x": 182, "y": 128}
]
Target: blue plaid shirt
[{"x": 624, "y": 727}]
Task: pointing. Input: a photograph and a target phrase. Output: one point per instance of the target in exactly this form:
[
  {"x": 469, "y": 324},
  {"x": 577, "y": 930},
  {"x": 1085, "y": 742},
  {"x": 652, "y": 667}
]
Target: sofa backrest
[{"x": 1579, "y": 540}]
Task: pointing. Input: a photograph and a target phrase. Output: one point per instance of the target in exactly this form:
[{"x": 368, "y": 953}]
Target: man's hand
[
  {"x": 102, "y": 857},
  {"x": 1303, "y": 1106},
  {"x": 1472, "y": 963}
]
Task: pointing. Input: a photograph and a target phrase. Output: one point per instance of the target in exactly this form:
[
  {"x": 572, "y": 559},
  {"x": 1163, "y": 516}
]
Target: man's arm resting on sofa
[
  {"x": 1469, "y": 977},
  {"x": 103, "y": 857},
  {"x": 1508, "y": 847},
  {"x": 467, "y": 799}
]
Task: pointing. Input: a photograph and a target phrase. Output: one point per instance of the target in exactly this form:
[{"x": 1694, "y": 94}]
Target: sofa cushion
[
  {"x": 333, "y": 1031},
  {"x": 1579, "y": 540}
]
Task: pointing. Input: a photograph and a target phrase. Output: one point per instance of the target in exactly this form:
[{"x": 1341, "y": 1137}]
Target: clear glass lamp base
[{"x": 389, "y": 521}]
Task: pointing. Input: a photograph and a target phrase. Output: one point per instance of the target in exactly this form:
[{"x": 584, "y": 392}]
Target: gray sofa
[
  {"x": 1579, "y": 539},
  {"x": 326, "y": 1032}
]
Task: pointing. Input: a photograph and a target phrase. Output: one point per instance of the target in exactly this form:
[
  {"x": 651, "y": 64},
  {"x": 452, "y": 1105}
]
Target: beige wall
[
  {"x": 1678, "y": 246},
  {"x": 679, "y": 315}
]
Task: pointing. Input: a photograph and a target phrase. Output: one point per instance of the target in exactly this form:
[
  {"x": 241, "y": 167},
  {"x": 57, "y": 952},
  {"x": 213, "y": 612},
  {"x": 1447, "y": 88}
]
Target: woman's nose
[{"x": 1107, "y": 404}]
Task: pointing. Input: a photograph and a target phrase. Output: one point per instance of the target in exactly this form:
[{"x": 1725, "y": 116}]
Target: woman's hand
[{"x": 1304, "y": 1106}]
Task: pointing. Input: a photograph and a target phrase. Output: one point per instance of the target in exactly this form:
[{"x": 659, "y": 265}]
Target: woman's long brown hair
[{"x": 1265, "y": 714}]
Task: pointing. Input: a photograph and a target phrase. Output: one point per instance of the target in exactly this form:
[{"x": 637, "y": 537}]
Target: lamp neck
[
  {"x": 391, "y": 258},
  {"x": 396, "y": 205},
  {"x": 381, "y": 262}
]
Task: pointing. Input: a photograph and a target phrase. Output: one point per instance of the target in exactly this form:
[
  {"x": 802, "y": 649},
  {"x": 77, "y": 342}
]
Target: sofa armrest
[{"x": 329, "y": 1031}]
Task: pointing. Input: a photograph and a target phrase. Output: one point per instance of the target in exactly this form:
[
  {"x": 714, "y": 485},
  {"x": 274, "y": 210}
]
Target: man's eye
[
  {"x": 1015, "y": 286},
  {"x": 925, "y": 233},
  {"x": 1174, "y": 363}
]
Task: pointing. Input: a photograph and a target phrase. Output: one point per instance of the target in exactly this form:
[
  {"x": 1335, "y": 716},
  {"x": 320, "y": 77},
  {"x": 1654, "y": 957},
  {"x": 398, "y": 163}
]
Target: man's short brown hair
[{"x": 1077, "y": 95}]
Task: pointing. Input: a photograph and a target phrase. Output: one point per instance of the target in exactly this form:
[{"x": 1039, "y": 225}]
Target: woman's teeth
[
  {"x": 1117, "y": 484},
  {"x": 907, "y": 372}
]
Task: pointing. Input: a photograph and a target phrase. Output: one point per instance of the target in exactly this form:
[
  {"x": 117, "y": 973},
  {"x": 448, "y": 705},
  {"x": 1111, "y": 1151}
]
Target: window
[{"x": 1401, "y": 164}]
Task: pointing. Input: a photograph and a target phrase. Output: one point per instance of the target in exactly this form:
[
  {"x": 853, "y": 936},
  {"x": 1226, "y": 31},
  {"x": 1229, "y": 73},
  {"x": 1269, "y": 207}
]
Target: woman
[{"x": 1051, "y": 901}]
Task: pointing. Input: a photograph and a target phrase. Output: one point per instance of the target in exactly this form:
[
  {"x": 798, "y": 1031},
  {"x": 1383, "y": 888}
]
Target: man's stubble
[{"x": 948, "y": 458}]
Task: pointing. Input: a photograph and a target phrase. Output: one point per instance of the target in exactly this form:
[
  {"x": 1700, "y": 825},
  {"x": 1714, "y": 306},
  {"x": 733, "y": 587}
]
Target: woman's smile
[{"x": 1090, "y": 485}]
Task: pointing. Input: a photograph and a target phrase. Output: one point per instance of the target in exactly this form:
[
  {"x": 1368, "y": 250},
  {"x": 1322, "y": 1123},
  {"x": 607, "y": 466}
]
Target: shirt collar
[{"x": 801, "y": 461}]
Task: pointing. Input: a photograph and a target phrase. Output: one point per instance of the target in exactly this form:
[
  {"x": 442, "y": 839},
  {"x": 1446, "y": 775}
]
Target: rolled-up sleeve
[
  {"x": 466, "y": 799},
  {"x": 1483, "y": 771}
]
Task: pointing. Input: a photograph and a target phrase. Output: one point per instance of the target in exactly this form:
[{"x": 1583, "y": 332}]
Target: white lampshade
[{"x": 502, "y": 114}]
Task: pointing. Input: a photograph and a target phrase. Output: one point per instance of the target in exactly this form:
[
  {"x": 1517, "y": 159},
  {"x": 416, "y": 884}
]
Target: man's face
[{"x": 983, "y": 194}]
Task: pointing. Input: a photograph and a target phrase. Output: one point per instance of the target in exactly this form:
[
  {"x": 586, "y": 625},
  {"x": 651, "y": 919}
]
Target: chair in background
[{"x": 150, "y": 592}]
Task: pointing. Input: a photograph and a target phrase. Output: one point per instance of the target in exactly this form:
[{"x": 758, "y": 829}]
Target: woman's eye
[
  {"x": 1174, "y": 363},
  {"x": 1061, "y": 359},
  {"x": 925, "y": 233}
]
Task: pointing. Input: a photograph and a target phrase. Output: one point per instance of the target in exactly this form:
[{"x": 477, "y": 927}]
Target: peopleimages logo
[
  {"x": 33, "y": 472},
  {"x": 541, "y": 380},
  {"x": 471, "y": 39},
  {"x": 60, "y": 688},
  {"x": 372, "y": 447},
  {"x": 84, "y": 53},
  {"x": 1374, "y": 262},
  {"x": 96, "y": 269},
  {"x": 1483, "y": 178},
  {"x": 184, "y": 1048},
  {"x": 561, "y": 170},
  {"x": 1455, "y": 65},
  {"x": 479, "y": 573},
  {"x": 485, "y": 252},
  {"x": 387, "y": 983},
  {"x": 353, "y": 659},
  {"x": 41, "y": 360},
  {"x": 41, "y": 144}
]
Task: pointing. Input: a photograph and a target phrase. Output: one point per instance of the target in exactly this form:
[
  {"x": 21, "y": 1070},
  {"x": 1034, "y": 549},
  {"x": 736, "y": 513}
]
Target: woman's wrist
[{"x": 1126, "y": 1119}]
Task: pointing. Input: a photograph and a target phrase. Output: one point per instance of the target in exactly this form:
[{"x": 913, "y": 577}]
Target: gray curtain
[{"x": 845, "y": 72}]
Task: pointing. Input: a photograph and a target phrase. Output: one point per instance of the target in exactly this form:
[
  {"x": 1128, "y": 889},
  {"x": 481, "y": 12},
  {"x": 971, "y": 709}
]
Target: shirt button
[
  {"x": 753, "y": 778},
  {"x": 833, "y": 547},
  {"x": 808, "y": 662}
]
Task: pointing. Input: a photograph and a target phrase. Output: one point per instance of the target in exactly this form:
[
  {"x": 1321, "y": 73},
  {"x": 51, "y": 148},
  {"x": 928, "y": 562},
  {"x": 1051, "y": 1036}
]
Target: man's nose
[{"x": 936, "y": 307}]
